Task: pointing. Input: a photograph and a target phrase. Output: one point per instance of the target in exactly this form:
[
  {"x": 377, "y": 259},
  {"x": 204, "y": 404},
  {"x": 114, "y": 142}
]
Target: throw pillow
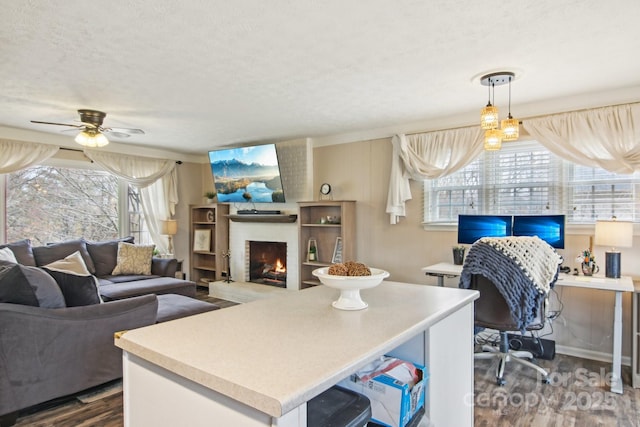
[
  {"x": 21, "y": 284},
  {"x": 23, "y": 251},
  {"x": 133, "y": 259},
  {"x": 105, "y": 255},
  {"x": 78, "y": 285},
  {"x": 6, "y": 254},
  {"x": 55, "y": 251}
]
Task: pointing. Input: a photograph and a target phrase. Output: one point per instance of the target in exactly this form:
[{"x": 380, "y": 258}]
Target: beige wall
[{"x": 360, "y": 171}]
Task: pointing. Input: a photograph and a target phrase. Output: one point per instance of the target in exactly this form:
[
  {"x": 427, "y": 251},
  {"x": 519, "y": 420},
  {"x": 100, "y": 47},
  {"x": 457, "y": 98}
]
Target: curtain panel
[
  {"x": 17, "y": 155},
  {"x": 156, "y": 179},
  {"x": 428, "y": 156},
  {"x": 607, "y": 137}
]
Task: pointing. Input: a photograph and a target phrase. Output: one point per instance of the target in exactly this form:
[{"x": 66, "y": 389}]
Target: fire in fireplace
[{"x": 267, "y": 263}]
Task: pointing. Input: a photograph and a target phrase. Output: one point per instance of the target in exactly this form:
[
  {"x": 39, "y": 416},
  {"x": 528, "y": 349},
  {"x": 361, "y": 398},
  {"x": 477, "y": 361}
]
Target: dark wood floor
[{"x": 577, "y": 396}]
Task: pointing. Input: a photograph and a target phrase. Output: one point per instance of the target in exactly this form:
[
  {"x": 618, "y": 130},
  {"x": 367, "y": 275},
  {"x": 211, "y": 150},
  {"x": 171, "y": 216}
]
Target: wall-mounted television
[
  {"x": 473, "y": 227},
  {"x": 549, "y": 228},
  {"x": 247, "y": 174}
]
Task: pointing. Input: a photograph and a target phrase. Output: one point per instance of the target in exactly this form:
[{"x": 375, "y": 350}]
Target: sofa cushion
[
  {"x": 171, "y": 306},
  {"x": 6, "y": 254},
  {"x": 78, "y": 285},
  {"x": 105, "y": 254},
  {"x": 23, "y": 251},
  {"x": 158, "y": 286},
  {"x": 133, "y": 259},
  {"x": 55, "y": 251},
  {"x": 21, "y": 284}
]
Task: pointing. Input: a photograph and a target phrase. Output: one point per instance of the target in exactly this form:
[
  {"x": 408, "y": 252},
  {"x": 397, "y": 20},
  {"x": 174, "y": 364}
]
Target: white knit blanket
[{"x": 536, "y": 258}]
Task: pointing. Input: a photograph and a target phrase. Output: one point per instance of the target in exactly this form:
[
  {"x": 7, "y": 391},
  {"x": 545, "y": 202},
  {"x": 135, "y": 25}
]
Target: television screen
[
  {"x": 473, "y": 227},
  {"x": 549, "y": 228},
  {"x": 247, "y": 174}
]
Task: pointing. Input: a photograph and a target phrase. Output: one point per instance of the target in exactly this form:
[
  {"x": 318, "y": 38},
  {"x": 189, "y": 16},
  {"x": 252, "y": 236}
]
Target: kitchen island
[{"x": 257, "y": 364}]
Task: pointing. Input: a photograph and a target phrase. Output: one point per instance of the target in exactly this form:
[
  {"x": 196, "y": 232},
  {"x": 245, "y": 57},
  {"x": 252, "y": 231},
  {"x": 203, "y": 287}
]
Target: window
[
  {"x": 525, "y": 178},
  {"x": 55, "y": 203}
]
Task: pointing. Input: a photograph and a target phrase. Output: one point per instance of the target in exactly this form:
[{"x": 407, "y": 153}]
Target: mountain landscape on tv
[{"x": 237, "y": 181}]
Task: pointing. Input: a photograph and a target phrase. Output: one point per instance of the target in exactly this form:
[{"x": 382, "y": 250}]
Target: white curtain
[
  {"x": 428, "y": 156},
  {"x": 156, "y": 179},
  {"x": 608, "y": 137},
  {"x": 16, "y": 155}
]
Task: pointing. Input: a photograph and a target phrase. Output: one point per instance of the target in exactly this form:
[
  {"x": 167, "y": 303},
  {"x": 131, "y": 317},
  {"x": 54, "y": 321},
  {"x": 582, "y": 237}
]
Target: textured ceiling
[{"x": 199, "y": 74}]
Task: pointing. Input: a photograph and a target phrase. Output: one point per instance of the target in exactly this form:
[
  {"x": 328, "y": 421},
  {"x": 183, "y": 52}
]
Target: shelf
[
  {"x": 263, "y": 218},
  {"x": 322, "y": 225},
  {"x": 202, "y": 267}
]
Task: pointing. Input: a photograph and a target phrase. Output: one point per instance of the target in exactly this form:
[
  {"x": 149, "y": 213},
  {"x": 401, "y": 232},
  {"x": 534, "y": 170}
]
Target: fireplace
[{"x": 267, "y": 263}]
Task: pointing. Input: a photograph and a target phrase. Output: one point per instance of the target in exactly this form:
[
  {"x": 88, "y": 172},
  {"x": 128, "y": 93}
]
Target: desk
[
  {"x": 623, "y": 284},
  {"x": 257, "y": 364},
  {"x": 442, "y": 270}
]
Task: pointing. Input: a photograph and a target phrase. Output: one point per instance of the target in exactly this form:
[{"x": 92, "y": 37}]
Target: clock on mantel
[{"x": 325, "y": 192}]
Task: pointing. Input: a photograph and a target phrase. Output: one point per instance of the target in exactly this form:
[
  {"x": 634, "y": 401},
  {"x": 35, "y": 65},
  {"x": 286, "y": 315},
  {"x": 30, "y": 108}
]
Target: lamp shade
[
  {"x": 614, "y": 234},
  {"x": 169, "y": 227}
]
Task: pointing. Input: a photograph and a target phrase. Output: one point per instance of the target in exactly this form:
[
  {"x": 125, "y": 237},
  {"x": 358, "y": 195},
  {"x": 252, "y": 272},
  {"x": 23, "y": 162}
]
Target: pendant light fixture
[
  {"x": 489, "y": 114},
  {"x": 510, "y": 126},
  {"x": 489, "y": 121}
]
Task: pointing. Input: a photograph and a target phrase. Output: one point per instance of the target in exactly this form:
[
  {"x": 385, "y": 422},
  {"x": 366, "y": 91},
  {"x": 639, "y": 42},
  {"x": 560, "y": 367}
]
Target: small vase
[
  {"x": 458, "y": 256},
  {"x": 589, "y": 269}
]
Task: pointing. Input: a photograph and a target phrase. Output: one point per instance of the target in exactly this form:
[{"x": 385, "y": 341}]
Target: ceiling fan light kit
[
  {"x": 91, "y": 138},
  {"x": 91, "y": 130},
  {"x": 509, "y": 129}
]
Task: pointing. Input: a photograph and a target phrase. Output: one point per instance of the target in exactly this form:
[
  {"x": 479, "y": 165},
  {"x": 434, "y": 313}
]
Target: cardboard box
[{"x": 393, "y": 403}]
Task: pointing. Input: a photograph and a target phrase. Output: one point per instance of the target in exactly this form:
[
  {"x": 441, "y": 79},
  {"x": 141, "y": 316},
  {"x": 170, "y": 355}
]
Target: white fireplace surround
[{"x": 241, "y": 232}]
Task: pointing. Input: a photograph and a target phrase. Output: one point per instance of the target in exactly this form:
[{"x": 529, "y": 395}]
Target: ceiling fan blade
[
  {"x": 58, "y": 124},
  {"x": 118, "y": 134},
  {"x": 123, "y": 130}
]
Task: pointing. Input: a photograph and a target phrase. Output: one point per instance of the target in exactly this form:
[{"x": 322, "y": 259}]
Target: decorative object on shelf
[
  {"x": 210, "y": 216},
  {"x": 202, "y": 240},
  {"x": 589, "y": 266},
  {"x": 169, "y": 228},
  {"x": 210, "y": 196},
  {"x": 337, "y": 251},
  {"x": 350, "y": 286},
  {"x": 312, "y": 250},
  {"x": 613, "y": 234},
  {"x": 497, "y": 132},
  {"x": 325, "y": 192},
  {"x": 458, "y": 255},
  {"x": 227, "y": 255}
]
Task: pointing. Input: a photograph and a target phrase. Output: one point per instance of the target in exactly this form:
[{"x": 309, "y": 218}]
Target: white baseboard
[{"x": 590, "y": 354}]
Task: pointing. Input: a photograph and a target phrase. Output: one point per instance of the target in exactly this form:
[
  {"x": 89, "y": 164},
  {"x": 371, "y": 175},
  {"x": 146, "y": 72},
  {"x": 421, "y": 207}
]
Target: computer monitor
[
  {"x": 473, "y": 227},
  {"x": 549, "y": 228}
]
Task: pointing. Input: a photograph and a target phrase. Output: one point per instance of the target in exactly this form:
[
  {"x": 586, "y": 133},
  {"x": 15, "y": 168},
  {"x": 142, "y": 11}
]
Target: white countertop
[{"x": 276, "y": 354}]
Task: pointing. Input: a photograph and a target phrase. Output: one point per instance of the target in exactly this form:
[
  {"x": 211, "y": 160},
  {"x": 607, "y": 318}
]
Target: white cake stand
[{"x": 350, "y": 286}]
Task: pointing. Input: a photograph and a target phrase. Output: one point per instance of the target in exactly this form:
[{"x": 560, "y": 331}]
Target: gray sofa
[{"x": 50, "y": 347}]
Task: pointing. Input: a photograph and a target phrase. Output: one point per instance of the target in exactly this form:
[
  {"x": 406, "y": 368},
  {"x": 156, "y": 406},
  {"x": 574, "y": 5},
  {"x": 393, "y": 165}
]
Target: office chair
[
  {"x": 513, "y": 276},
  {"x": 492, "y": 311}
]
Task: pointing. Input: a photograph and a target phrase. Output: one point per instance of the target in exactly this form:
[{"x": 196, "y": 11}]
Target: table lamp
[
  {"x": 169, "y": 227},
  {"x": 614, "y": 234}
]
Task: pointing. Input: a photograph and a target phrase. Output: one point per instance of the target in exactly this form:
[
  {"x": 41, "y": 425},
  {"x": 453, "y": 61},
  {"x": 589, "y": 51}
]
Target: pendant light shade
[
  {"x": 492, "y": 139},
  {"x": 510, "y": 129}
]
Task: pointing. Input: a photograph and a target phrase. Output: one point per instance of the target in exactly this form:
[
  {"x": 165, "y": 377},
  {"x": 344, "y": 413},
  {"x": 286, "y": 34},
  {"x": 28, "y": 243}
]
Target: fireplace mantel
[{"x": 263, "y": 218}]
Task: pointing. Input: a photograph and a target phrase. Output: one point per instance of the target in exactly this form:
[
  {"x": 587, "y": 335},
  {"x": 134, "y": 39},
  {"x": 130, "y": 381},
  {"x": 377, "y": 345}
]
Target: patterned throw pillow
[{"x": 133, "y": 259}]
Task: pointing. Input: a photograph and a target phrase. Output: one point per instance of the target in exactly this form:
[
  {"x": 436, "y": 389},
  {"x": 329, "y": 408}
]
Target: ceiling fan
[{"x": 91, "y": 129}]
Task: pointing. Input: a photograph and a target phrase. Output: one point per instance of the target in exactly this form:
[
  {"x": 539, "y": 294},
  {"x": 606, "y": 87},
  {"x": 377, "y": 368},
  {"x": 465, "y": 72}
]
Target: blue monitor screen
[
  {"x": 549, "y": 228},
  {"x": 473, "y": 227}
]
